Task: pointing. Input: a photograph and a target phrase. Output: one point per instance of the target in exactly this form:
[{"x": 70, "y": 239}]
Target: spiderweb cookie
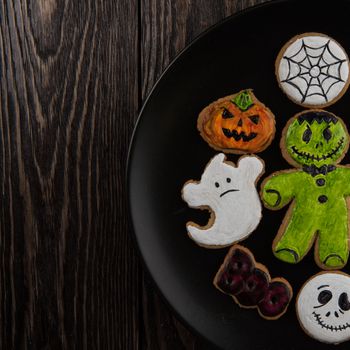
[{"x": 312, "y": 69}]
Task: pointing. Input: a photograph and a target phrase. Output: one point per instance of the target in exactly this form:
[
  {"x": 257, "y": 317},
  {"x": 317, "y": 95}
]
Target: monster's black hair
[{"x": 318, "y": 116}]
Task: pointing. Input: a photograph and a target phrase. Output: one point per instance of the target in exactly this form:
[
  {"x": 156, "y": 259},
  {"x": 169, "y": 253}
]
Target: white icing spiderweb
[{"x": 314, "y": 71}]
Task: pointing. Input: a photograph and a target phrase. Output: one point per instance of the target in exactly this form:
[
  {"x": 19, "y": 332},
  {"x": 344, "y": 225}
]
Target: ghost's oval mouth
[
  {"x": 330, "y": 327},
  {"x": 228, "y": 191},
  {"x": 311, "y": 156}
]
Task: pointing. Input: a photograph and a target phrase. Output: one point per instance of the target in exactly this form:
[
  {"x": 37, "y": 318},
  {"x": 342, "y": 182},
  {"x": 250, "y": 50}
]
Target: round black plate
[{"x": 167, "y": 151}]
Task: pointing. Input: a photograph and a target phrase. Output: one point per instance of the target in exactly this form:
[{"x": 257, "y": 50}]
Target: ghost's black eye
[
  {"x": 324, "y": 297},
  {"x": 343, "y": 302},
  {"x": 217, "y": 184},
  {"x": 254, "y": 119},
  {"x": 307, "y": 135},
  {"x": 228, "y": 180},
  {"x": 226, "y": 114},
  {"x": 327, "y": 134}
]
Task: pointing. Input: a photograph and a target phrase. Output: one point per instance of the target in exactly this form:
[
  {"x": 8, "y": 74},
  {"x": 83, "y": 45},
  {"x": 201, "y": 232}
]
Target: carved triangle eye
[
  {"x": 226, "y": 114},
  {"x": 255, "y": 119}
]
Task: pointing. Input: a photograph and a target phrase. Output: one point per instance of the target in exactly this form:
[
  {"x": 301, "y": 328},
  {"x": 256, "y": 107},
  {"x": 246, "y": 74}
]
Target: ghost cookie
[
  {"x": 312, "y": 69},
  {"x": 238, "y": 124},
  {"x": 250, "y": 285},
  {"x": 323, "y": 307},
  {"x": 230, "y": 194}
]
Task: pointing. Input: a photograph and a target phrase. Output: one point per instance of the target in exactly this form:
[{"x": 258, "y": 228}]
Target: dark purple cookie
[{"x": 250, "y": 284}]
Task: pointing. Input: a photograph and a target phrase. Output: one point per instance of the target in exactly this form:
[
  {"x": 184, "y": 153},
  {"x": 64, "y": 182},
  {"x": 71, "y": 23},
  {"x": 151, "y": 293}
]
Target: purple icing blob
[
  {"x": 254, "y": 289},
  {"x": 231, "y": 283},
  {"x": 276, "y": 299}
]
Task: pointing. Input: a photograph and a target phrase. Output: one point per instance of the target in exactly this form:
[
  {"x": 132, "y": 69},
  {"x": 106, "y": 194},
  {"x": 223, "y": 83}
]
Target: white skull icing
[
  {"x": 231, "y": 195},
  {"x": 323, "y": 307}
]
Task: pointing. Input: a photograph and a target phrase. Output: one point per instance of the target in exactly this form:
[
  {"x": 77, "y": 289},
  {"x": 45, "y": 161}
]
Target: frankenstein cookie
[
  {"x": 323, "y": 307},
  {"x": 230, "y": 194},
  {"x": 250, "y": 285},
  {"x": 314, "y": 142},
  {"x": 313, "y": 70},
  {"x": 238, "y": 123}
]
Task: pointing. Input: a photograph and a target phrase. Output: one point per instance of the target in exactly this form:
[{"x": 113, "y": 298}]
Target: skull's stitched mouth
[
  {"x": 238, "y": 136},
  {"x": 326, "y": 326},
  {"x": 308, "y": 156}
]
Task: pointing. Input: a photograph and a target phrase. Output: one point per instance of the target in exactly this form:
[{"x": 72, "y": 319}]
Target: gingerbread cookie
[
  {"x": 250, "y": 285},
  {"x": 238, "y": 124},
  {"x": 323, "y": 307},
  {"x": 230, "y": 194},
  {"x": 314, "y": 141},
  {"x": 312, "y": 69}
]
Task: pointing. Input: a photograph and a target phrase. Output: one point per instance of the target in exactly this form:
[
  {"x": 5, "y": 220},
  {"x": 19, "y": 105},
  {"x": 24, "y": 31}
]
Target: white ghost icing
[
  {"x": 231, "y": 195},
  {"x": 323, "y": 307}
]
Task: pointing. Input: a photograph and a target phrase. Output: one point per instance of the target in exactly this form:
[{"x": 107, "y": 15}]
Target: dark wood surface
[{"x": 73, "y": 78}]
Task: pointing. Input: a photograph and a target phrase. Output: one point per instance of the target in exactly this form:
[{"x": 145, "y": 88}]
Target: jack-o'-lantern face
[{"x": 240, "y": 124}]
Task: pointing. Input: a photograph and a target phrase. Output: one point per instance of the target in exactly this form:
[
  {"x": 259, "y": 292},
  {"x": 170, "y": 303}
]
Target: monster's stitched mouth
[
  {"x": 228, "y": 191},
  {"x": 238, "y": 136},
  {"x": 308, "y": 156},
  {"x": 326, "y": 326}
]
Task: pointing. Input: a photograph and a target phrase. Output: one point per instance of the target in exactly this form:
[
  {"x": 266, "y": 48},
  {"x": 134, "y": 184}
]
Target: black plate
[{"x": 167, "y": 150}]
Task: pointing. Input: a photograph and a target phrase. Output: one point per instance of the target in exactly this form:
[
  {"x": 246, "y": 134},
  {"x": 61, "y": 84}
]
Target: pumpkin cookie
[
  {"x": 312, "y": 69},
  {"x": 318, "y": 189},
  {"x": 238, "y": 124},
  {"x": 250, "y": 285}
]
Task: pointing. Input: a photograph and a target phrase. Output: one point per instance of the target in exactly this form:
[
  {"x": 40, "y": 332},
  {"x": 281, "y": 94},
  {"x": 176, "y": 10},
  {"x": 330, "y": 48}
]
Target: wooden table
[{"x": 73, "y": 78}]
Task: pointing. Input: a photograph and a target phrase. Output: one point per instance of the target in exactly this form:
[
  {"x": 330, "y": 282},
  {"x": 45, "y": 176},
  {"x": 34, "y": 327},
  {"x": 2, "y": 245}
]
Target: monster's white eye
[{"x": 323, "y": 307}]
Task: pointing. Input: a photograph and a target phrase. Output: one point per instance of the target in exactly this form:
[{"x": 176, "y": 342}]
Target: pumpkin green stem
[{"x": 243, "y": 101}]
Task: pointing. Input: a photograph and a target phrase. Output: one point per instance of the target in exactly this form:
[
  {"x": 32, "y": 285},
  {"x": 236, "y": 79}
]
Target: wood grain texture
[
  {"x": 166, "y": 28},
  {"x": 72, "y": 77},
  {"x": 69, "y": 98}
]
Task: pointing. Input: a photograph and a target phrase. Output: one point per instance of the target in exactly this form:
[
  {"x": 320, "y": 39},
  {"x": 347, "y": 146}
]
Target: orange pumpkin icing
[{"x": 247, "y": 128}]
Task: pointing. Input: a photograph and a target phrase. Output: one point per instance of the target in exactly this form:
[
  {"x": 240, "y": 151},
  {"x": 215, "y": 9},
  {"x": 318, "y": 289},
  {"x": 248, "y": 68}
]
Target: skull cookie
[
  {"x": 229, "y": 192},
  {"x": 323, "y": 307}
]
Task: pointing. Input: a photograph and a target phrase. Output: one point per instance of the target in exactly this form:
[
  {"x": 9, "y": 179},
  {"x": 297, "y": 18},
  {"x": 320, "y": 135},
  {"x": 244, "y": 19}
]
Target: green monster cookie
[{"x": 314, "y": 142}]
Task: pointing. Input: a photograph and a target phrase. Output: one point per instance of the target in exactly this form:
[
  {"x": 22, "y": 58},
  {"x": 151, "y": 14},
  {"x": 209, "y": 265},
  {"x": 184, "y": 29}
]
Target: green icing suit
[{"x": 317, "y": 193}]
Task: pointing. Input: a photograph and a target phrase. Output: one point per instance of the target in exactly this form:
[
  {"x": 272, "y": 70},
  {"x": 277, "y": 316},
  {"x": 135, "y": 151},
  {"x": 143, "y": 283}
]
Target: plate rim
[{"x": 130, "y": 153}]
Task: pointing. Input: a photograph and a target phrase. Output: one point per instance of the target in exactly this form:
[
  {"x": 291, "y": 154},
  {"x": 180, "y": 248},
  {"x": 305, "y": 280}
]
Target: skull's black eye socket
[
  {"x": 307, "y": 135},
  {"x": 324, "y": 297},
  {"x": 343, "y": 302},
  {"x": 226, "y": 114},
  {"x": 254, "y": 119},
  {"x": 327, "y": 134}
]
